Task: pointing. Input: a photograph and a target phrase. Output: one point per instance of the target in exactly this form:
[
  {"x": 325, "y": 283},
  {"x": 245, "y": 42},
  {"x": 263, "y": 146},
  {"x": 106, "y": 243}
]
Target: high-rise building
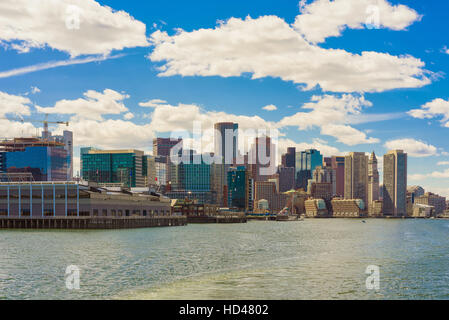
[
  {"x": 266, "y": 190},
  {"x": 373, "y": 182},
  {"x": 395, "y": 183},
  {"x": 163, "y": 146},
  {"x": 415, "y": 192},
  {"x": 356, "y": 176},
  {"x": 67, "y": 140},
  {"x": 338, "y": 164},
  {"x": 289, "y": 158},
  {"x": 262, "y": 159},
  {"x": 237, "y": 187},
  {"x": 306, "y": 162},
  {"x": 226, "y": 141},
  {"x": 114, "y": 167},
  {"x": 45, "y": 160},
  {"x": 324, "y": 175},
  {"x": 286, "y": 177}
]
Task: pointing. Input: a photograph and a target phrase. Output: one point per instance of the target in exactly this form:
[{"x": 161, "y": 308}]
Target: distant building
[
  {"x": 163, "y": 146},
  {"x": 373, "y": 182},
  {"x": 267, "y": 190},
  {"x": 423, "y": 211},
  {"x": 45, "y": 160},
  {"x": 356, "y": 176},
  {"x": 434, "y": 200},
  {"x": 237, "y": 187},
  {"x": 286, "y": 178},
  {"x": 395, "y": 184},
  {"x": 415, "y": 192},
  {"x": 325, "y": 175},
  {"x": 348, "y": 208},
  {"x": 262, "y": 159},
  {"x": 338, "y": 164},
  {"x": 67, "y": 139},
  {"x": 121, "y": 167},
  {"x": 306, "y": 162},
  {"x": 316, "y": 208},
  {"x": 289, "y": 158}
]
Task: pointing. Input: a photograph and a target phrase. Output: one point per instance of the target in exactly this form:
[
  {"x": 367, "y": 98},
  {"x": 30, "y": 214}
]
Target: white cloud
[
  {"x": 152, "y": 103},
  {"x": 11, "y": 104},
  {"x": 435, "y": 175},
  {"x": 169, "y": 118},
  {"x": 324, "y": 18},
  {"x": 435, "y": 108},
  {"x": 331, "y": 113},
  {"x": 54, "y": 64},
  {"x": 110, "y": 134},
  {"x": 443, "y": 163},
  {"x": 78, "y": 27},
  {"x": 128, "y": 116},
  {"x": 35, "y": 90},
  {"x": 93, "y": 106},
  {"x": 414, "y": 148},
  {"x": 270, "y": 47},
  {"x": 270, "y": 107}
]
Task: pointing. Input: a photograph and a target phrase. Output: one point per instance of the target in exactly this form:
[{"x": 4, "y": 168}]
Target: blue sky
[{"x": 199, "y": 87}]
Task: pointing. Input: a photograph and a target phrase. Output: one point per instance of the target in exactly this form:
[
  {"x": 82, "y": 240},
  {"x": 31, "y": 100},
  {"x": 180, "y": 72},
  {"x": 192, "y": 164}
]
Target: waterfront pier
[{"x": 90, "y": 222}]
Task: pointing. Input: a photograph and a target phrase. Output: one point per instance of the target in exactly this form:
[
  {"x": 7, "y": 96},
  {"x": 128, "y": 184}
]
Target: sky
[{"x": 338, "y": 76}]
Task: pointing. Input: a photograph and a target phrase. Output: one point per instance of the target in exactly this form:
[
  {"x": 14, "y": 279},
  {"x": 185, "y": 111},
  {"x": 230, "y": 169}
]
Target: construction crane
[{"x": 45, "y": 133}]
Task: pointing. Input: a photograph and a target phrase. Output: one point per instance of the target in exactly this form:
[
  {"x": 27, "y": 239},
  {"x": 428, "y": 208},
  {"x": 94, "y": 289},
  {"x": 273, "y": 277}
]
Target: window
[
  {"x": 113, "y": 213},
  {"x": 105, "y": 212},
  {"x": 26, "y": 213},
  {"x": 95, "y": 213},
  {"x": 48, "y": 213},
  {"x": 120, "y": 213},
  {"x": 144, "y": 213},
  {"x": 84, "y": 213},
  {"x": 3, "y": 212}
]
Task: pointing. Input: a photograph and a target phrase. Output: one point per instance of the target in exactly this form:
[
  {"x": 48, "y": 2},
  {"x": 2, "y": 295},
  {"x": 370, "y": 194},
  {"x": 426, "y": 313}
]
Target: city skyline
[{"x": 122, "y": 101}]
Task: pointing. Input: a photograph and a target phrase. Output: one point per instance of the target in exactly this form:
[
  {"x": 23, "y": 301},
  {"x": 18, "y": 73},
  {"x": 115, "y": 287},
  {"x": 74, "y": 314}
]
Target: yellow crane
[{"x": 45, "y": 133}]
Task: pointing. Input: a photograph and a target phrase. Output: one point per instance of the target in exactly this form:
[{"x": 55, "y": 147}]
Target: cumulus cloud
[
  {"x": 110, "y": 134},
  {"x": 12, "y": 104},
  {"x": 181, "y": 117},
  {"x": 270, "y": 47},
  {"x": 78, "y": 27},
  {"x": 324, "y": 18},
  {"x": 414, "y": 148},
  {"x": 443, "y": 163},
  {"x": 93, "y": 106},
  {"x": 433, "y": 109},
  {"x": 270, "y": 107},
  {"x": 331, "y": 114}
]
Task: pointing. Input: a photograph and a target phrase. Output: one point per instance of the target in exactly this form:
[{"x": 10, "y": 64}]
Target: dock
[{"x": 90, "y": 223}]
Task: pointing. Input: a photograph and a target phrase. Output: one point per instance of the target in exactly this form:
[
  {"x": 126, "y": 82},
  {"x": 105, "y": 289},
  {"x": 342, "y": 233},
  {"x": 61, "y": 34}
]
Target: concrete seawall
[{"x": 90, "y": 222}]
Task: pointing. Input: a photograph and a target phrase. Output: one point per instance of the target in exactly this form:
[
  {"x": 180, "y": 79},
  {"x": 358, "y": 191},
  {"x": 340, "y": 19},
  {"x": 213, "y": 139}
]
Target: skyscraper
[
  {"x": 306, "y": 162},
  {"x": 226, "y": 141},
  {"x": 338, "y": 164},
  {"x": 373, "y": 181},
  {"x": 163, "y": 146},
  {"x": 356, "y": 176},
  {"x": 395, "y": 183},
  {"x": 289, "y": 158},
  {"x": 262, "y": 159}
]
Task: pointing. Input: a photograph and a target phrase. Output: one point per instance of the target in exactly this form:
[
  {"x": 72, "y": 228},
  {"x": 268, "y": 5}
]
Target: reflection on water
[{"x": 313, "y": 259}]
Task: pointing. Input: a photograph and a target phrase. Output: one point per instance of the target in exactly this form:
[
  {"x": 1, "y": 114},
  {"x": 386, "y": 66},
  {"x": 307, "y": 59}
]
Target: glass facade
[
  {"x": 124, "y": 168},
  {"x": 237, "y": 187},
  {"x": 44, "y": 163},
  {"x": 306, "y": 162}
]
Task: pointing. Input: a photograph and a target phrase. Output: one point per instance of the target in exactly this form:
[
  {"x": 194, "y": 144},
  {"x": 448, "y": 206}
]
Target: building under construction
[{"x": 44, "y": 160}]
